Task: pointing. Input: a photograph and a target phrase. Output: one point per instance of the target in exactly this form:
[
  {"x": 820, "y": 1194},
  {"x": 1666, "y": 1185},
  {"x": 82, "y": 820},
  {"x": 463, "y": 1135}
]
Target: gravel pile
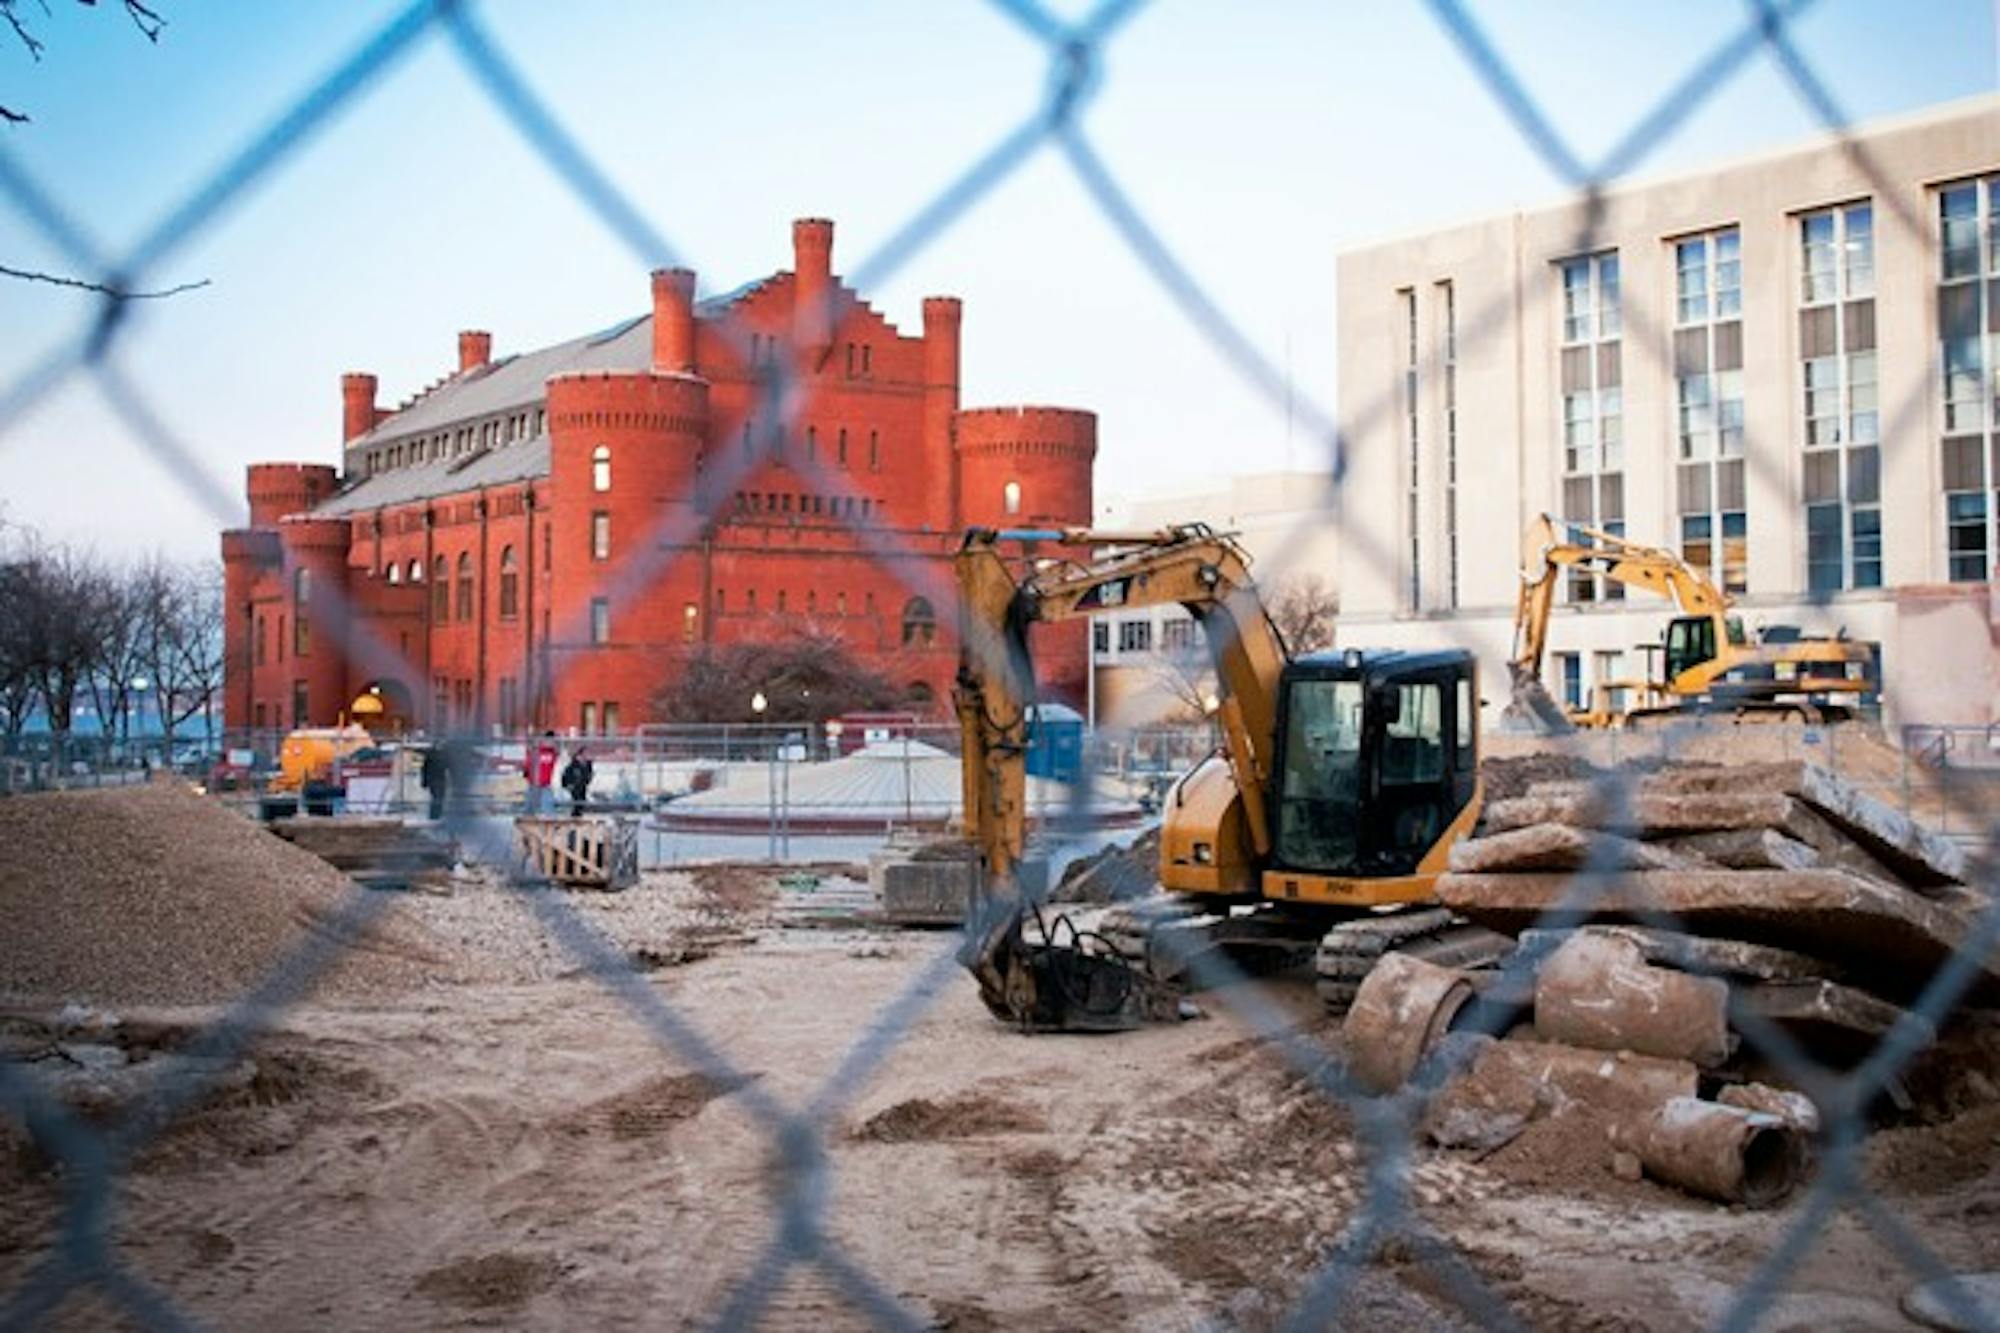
[
  {"x": 155, "y": 895},
  {"x": 495, "y": 932}
]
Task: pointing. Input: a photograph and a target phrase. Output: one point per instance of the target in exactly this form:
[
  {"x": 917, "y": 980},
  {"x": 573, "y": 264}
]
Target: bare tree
[
  {"x": 180, "y": 641},
  {"x": 17, "y": 645},
  {"x": 1305, "y": 610},
  {"x": 807, "y": 675},
  {"x": 142, "y": 15},
  {"x": 66, "y": 602}
]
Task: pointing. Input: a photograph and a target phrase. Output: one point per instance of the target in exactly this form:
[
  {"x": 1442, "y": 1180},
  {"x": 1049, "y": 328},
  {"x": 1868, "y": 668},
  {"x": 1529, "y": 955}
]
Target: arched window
[
  {"x": 919, "y": 695},
  {"x": 1010, "y": 497},
  {"x": 440, "y": 590},
  {"x": 416, "y": 571},
  {"x": 510, "y": 584},
  {"x": 465, "y": 585},
  {"x": 919, "y": 622},
  {"x": 394, "y": 573},
  {"x": 600, "y": 468}
]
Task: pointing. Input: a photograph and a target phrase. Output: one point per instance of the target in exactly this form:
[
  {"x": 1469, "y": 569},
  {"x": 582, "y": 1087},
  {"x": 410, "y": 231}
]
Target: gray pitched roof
[
  {"x": 492, "y": 467},
  {"x": 502, "y": 387}
]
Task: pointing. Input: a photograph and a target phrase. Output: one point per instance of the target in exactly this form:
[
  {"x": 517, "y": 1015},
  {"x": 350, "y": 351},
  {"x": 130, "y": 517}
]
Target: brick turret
[{"x": 942, "y": 318}]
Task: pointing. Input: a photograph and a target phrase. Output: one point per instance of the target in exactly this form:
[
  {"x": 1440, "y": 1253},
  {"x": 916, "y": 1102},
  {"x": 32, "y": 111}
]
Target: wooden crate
[{"x": 585, "y": 851}]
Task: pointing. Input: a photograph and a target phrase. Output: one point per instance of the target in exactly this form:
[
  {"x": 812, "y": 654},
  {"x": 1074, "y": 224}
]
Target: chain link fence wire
[{"x": 83, "y": 1252}]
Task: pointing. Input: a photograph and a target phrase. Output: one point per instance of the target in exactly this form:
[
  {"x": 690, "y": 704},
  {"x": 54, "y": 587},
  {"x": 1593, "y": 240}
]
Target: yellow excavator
[
  {"x": 1708, "y": 662},
  {"x": 1318, "y": 829}
]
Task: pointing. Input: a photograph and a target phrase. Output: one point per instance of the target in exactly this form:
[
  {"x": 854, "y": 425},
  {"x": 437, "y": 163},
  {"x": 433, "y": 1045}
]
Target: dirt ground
[{"x": 526, "y": 1154}]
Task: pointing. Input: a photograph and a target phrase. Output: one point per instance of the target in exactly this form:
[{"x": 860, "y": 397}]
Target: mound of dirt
[
  {"x": 156, "y": 895},
  {"x": 1113, "y": 874},
  {"x": 491, "y": 1281},
  {"x": 960, "y": 1117},
  {"x": 658, "y": 1104}
]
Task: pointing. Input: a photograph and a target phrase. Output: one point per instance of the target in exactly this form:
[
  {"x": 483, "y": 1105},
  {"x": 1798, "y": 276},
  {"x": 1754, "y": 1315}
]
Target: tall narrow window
[
  {"x": 1412, "y": 505},
  {"x": 600, "y": 468},
  {"x": 301, "y": 625},
  {"x": 262, "y": 638},
  {"x": 812, "y": 444},
  {"x": 510, "y": 584},
  {"x": 919, "y": 623},
  {"x": 300, "y": 713},
  {"x": 600, "y": 535},
  {"x": 587, "y": 718},
  {"x": 874, "y": 451},
  {"x": 840, "y": 446},
  {"x": 611, "y": 717},
  {"x": 749, "y": 441},
  {"x": 1708, "y": 397},
  {"x": 440, "y": 590},
  {"x": 1010, "y": 497},
  {"x": 1842, "y": 467},
  {"x": 1448, "y": 364},
  {"x": 600, "y": 620},
  {"x": 464, "y": 585},
  {"x": 690, "y": 622},
  {"x": 1969, "y": 362},
  {"x": 1593, "y": 408}
]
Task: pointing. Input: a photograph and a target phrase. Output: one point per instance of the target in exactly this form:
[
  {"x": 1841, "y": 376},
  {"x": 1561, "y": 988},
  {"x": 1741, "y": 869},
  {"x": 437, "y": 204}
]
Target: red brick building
[{"x": 542, "y": 539}]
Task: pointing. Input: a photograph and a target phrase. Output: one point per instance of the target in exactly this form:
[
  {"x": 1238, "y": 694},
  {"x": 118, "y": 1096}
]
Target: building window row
[
  {"x": 1709, "y": 408},
  {"x": 808, "y": 505},
  {"x": 597, "y": 717},
  {"x": 526, "y": 424}
]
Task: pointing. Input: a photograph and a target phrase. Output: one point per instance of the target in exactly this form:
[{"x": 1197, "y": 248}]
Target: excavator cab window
[
  {"x": 1690, "y": 642},
  {"x": 1376, "y": 762}
]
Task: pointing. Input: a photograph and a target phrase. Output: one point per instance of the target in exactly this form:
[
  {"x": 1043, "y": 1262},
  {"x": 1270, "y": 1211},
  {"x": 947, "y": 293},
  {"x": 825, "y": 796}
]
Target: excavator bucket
[
  {"x": 1531, "y": 710},
  {"x": 1056, "y": 984}
]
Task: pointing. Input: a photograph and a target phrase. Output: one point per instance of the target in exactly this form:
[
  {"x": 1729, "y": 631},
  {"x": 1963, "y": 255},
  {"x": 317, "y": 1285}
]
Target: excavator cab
[
  {"x": 1377, "y": 758},
  {"x": 1690, "y": 643}
]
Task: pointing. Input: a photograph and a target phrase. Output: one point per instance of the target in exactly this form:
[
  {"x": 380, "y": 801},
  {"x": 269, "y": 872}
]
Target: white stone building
[{"x": 1786, "y": 368}]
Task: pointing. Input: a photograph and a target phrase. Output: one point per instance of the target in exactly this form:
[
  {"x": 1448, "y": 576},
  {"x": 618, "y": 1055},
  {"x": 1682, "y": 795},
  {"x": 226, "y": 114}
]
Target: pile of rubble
[{"x": 1666, "y": 936}]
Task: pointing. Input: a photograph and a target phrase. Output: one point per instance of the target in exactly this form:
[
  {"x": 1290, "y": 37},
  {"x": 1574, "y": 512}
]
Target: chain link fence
[{"x": 85, "y": 1251}]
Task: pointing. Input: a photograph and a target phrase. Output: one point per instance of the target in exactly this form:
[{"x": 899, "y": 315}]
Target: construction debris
[
  {"x": 1661, "y": 931},
  {"x": 1718, "y": 1151},
  {"x": 1403, "y": 1009},
  {"x": 1597, "y": 991}
]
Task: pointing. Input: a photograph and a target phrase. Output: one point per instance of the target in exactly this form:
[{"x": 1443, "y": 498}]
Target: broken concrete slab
[
  {"x": 1650, "y": 815},
  {"x": 1702, "y": 955},
  {"x": 1924, "y": 859},
  {"x": 1886, "y": 939},
  {"x": 1598, "y": 991},
  {"x": 1748, "y": 849},
  {"x": 1832, "y": 1020},
  {"x": 1563, "y": 847}
]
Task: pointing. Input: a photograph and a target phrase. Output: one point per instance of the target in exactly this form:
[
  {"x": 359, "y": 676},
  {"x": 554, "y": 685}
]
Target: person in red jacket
[{"x": 539, "y": 767}]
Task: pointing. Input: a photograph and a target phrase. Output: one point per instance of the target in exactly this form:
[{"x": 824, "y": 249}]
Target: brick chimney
[
  {"x": 673, "y": 321},
  {"x": 812, "y": 294},
  {"x": 357, "y": 404},
  {"x": 475, "y": 349}
]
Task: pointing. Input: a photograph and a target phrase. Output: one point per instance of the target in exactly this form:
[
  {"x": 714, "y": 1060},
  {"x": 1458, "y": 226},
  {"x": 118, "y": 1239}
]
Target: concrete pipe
[
  {"x": 1404, "y": 1006},
  {"x": 1598, "y": 991},
  {"x": 1721, "y": 1152}
]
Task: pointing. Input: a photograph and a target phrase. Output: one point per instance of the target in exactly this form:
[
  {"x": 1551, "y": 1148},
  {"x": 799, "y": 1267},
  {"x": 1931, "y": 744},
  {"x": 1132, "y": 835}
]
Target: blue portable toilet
[{"x": 1055, "y": 742}]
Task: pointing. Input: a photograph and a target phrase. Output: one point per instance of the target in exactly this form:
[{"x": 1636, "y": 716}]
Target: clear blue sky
[{"x": 1259, "y": 139}]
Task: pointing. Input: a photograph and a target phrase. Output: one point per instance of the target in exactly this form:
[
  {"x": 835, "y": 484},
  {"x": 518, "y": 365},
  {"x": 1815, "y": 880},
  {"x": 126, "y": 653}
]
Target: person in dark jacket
[
  {"x": 576, "y": 777},
  {"x": 436, "y": 777}
]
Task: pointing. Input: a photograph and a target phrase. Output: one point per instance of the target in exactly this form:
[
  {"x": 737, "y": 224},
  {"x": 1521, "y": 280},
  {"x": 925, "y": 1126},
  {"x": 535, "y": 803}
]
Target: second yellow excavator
[
  {"x": 1318, "y": 829},
  {"x": 1708, "y": 662}
]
